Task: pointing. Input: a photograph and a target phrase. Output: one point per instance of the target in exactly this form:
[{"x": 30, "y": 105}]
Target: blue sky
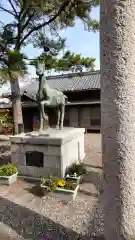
[{"x": 78, "y": 40}]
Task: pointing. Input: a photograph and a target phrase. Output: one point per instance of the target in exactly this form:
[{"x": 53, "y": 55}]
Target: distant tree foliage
[
  {"x": 69, "y": 62},
  {"x": 74, "y": 62}
]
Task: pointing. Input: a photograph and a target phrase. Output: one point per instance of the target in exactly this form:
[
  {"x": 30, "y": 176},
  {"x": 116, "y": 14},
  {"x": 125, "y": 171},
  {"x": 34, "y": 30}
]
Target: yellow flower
[{"x": 61, "y": 183}]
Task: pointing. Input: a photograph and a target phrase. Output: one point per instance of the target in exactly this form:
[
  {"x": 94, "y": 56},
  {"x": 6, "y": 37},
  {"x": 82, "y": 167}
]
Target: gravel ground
[{"x": 24, "y": 214}]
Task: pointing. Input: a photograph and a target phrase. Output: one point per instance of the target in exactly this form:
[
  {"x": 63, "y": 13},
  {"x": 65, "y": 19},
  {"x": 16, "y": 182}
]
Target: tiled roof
[
  {"x": 76, "y": 81},
  {"x": 66, "y": 82}
]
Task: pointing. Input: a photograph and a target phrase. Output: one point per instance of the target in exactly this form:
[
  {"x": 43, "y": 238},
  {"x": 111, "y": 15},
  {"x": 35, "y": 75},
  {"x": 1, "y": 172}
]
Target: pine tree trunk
[
  {"x": 118, "y": 117},
  {"x": 16, "y": 107}
]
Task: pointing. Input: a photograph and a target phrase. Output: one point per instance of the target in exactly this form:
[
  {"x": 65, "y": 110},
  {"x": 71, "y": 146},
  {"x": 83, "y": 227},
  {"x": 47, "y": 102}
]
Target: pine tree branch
[
  {"x": 21, "y": 12},
  {"x": 22, "y": 28},
  {"x": 27, "y": 22},
  {"x": 21, "y": 17},
  {"x": 18, "y": 38},
  {"x": 8, "y": 11},
  {"x": 12, "y": 5},
  {"x": 24, "y": 14},
  {"x": 46, "y": 23}
]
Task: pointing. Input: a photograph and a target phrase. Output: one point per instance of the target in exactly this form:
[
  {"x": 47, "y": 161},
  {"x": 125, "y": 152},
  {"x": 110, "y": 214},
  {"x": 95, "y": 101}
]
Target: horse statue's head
[{"x": 40, "y": 68}]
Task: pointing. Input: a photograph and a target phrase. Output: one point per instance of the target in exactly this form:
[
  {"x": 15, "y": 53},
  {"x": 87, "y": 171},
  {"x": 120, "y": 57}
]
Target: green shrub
[
  {"x": 70, "y": 185},
  {"x": 77, "y": 169},
  {"x": 8, "y": 170},
  {"x": 50, "y": 183}
]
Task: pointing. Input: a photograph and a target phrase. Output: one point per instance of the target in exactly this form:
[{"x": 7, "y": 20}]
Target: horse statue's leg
[
  {"x": 41, "y": 121},
  {"x": 62, "y": 115},
  {"x": 42, "y": 107},
  {"x": 58, "y": 118},
  {"x": 43, "y": 116}
]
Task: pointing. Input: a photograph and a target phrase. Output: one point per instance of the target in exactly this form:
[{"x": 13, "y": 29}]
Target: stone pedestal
[{"x": 50, "y": 152}]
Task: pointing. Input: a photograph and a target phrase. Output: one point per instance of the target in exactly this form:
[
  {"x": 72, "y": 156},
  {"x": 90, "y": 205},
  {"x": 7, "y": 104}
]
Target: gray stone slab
[
  {"x": 18, "y": 158},
  {"x": 49, "y": 136},
  {"x": 60, "y": 149}
]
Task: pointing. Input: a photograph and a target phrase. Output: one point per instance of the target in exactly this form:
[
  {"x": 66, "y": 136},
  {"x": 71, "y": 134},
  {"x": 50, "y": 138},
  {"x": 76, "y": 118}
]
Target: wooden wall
[{"x": 85, "y": 116}]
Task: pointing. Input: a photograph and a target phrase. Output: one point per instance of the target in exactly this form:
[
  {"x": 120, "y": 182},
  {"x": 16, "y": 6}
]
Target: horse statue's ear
[
  {"x": 40, "y": 68},
  {"x": 40, "y": 65}
]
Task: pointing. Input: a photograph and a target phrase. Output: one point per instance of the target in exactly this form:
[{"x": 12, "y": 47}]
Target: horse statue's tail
[{"x": 66, "y": 99}]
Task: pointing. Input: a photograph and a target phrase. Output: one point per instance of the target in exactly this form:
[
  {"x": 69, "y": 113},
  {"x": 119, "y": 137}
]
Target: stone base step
[
  {"x": 4, "y": 146},
  {"x": 5, "y": 157}
]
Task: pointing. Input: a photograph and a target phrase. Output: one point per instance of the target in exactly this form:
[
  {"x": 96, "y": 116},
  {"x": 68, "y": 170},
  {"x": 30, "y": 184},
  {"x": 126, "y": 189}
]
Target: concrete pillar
[{"x": 118, "y": 117}]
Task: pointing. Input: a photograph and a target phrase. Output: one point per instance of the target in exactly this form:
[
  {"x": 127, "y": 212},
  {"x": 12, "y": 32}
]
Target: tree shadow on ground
[
  {"x": 96, "y": 222},
  {"x": 36, "y": 190},
  {"x": 98, "y": 238},
  {"x": 94, "y": 178},
  {"x": 93, "y": 166},
  {"x": 95, "y": 230},
  {"x": 30, "y": 225}
]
